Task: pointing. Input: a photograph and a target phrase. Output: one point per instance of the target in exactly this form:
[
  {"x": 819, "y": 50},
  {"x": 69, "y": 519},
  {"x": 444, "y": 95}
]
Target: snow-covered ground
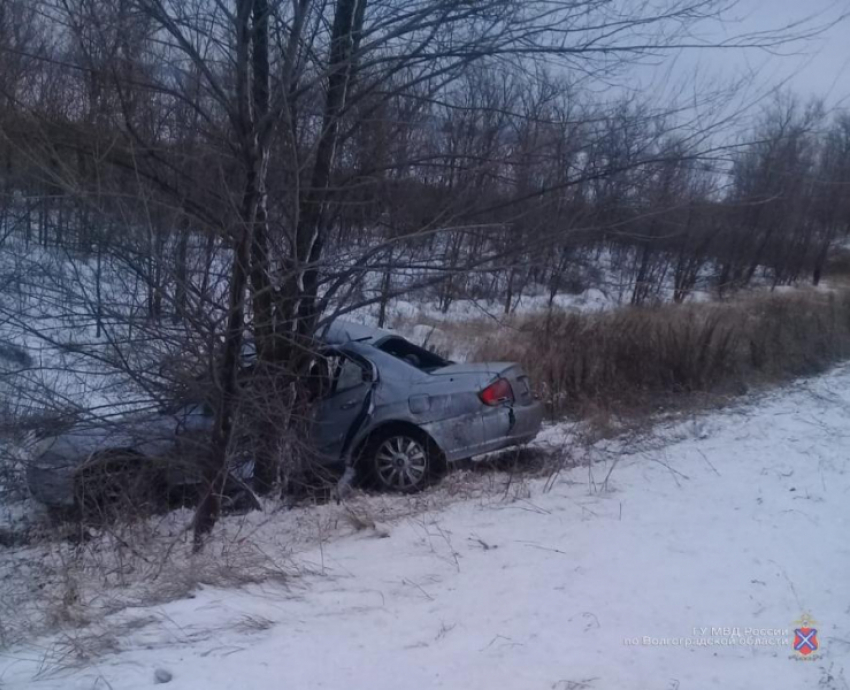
[{"x": 681, "y": 563}]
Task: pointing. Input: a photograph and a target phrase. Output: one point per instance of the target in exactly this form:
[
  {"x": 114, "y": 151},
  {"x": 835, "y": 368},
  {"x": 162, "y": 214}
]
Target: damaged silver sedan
[
  {"x": 402, "y": 413},
  {"x": 387, "y": 410}
]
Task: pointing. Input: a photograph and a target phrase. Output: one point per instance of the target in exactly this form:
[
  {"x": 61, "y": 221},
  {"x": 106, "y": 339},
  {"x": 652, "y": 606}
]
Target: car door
[{"x": 348, "y": 382}]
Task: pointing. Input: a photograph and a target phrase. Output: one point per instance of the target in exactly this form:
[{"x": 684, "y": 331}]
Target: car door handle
[{"x": 348, "y": 405}]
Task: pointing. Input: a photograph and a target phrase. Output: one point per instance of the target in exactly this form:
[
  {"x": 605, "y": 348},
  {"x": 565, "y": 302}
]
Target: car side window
[{"x": 349, "y": 375}]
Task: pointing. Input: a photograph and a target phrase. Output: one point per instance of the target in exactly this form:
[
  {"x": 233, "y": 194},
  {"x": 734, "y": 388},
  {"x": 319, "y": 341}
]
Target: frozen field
[{"x": 635, "y": 575}]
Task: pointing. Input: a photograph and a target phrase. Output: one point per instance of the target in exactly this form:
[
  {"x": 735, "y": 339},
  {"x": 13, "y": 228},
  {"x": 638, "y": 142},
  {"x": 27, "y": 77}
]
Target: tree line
[{"x": 212, "y": 173}]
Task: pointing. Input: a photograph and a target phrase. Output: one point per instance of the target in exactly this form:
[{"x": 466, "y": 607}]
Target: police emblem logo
[{"x": 806, "y": 636}]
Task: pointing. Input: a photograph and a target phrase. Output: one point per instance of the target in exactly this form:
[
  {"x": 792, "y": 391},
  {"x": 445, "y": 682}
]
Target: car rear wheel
[{"x": 402, "y": 461}]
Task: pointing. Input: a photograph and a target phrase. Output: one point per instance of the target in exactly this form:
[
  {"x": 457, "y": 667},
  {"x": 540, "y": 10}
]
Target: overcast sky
[
  {"x": 819, "y": 67},
  {"x": 822, "y": 67}
]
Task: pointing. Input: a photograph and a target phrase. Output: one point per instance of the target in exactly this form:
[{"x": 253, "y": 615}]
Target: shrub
[{"x": 631, "y": 356}]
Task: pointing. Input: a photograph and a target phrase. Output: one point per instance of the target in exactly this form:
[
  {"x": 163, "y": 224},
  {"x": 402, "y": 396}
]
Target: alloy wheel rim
[{"x": 401, "y": 462}]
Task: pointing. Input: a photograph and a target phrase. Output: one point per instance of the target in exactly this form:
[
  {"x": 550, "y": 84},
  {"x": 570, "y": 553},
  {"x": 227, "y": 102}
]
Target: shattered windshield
[{"x": 416, "y": 356}]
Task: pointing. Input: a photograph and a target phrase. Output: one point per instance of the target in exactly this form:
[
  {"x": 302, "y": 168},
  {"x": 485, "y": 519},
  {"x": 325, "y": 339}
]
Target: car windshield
[{"x": 416, "y": 356}]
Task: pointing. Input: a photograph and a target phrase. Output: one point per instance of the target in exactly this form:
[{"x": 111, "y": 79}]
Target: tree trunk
[
  {"x": 215, "y": 470},
  {"x": 269, "y": 421},
  {"x": 386, "y": 287},
  {"x": 345, "y": 37},
  {"x": 181, "y": 272}
]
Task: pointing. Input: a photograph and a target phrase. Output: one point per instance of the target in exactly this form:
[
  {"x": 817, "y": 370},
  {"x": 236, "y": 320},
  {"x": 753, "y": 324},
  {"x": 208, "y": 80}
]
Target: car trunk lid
[
  {"x": 490, "y": 371},
  {"x": 492, "y": 368}
]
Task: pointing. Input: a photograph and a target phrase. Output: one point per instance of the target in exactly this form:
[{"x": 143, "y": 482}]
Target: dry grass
[
  {"x": 837, "y": 270},
  {"x": 69, "y": 579},
  {"x": 633, "y": 360}
]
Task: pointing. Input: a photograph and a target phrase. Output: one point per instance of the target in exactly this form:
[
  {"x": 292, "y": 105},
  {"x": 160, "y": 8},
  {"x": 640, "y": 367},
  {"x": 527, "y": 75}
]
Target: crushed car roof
[{"x": 339, "y": 332}]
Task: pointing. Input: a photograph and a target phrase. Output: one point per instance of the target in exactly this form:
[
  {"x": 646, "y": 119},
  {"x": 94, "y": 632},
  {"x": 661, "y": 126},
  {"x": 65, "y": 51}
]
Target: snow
[{"x": 734, "y": 519}]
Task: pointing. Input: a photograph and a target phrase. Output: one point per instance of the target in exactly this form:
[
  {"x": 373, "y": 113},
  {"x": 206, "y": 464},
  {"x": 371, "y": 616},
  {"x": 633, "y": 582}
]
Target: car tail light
[{"x": 497, "y": 392}]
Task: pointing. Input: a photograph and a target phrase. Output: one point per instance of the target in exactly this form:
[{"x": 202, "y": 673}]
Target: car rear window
[{"x": 414, "y": 355}]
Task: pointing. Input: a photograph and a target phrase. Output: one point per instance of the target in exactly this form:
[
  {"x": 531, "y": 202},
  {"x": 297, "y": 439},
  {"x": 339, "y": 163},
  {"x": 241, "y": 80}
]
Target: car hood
[{"x": 146, "y": 433}]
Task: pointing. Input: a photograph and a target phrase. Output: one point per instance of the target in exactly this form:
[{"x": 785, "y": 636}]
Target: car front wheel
[{"x": 119, "y": 484}]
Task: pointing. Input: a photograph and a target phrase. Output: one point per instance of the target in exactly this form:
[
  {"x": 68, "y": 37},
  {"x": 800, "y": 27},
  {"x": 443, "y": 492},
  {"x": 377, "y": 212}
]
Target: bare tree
[{"x": 245, "y": 171}]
